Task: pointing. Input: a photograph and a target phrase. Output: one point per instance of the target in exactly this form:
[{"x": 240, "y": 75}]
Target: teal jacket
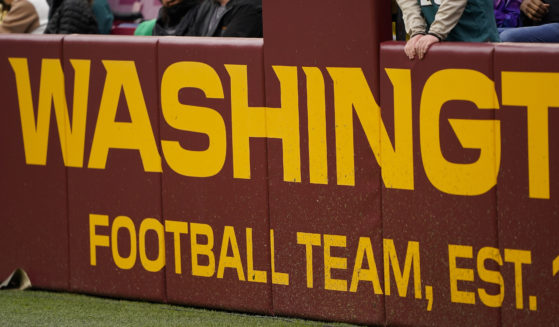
[
  {"x": 145, "y": 27},
  {"x": 451, "y": 20},
  {"x": 477, "y": 23}
]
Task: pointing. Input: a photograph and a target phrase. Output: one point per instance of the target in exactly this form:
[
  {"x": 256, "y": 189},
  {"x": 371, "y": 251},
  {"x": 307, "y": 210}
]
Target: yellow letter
[
  {"x": 309, "y": 240},
  {"x": 253, "y": 275},
  {"x": 316, "y": 111},
  {"x": 456, "y": 178},
  {"x": 537, "y": 92},
  {"x": 134, "y": 135},
  {"x": 177, "y": 228},
  {"x": 518, "y": 257},
  {"x": 204, "y": 163},
  {"x": 126, "y": 223},
  {"x": 402, "y": 279},
  {"x": 359, "y": 273},
  {"x": 282, "y": 123},
  {"x": 154, "y": 225},
  {"x": 277, "y": 277},
  {"x": 351, "y": 90},
  {"x": 202, "y": 249},
  {"x": 493, "y": 277},
  {"x": 94, "y": 239},
  {"x": 331, "y": 262},
  {"x": 52, "y": 91},
  {"x": 456, "y": 274},
  {"x": 227, "y": 261}
]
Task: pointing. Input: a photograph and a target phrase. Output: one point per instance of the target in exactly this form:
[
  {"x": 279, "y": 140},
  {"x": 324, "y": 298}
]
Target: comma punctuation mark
[{"x": 429, "y": 297}]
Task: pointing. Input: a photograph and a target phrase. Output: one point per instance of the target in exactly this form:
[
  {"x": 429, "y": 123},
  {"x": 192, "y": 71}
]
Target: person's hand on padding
[
  {"x": 423, "y": 45},
  {"x": 409, "y": 49}
]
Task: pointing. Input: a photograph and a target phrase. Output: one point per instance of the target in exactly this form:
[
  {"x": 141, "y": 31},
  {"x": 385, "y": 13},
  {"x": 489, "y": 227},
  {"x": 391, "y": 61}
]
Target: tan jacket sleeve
[
  {"x": 411, "y": 12},
  {"x": 22, "y": 18},
  {"x": 447, "y": 17}
]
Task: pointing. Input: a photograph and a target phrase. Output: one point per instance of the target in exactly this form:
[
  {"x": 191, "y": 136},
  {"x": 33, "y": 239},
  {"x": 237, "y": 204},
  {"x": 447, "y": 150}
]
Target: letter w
[{"x": 35, "y": 129}]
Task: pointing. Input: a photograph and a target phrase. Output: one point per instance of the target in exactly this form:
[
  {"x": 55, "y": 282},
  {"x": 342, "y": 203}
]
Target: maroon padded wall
[
  {"x": 505, "y": 233},
  {"x": 527, "y": 223},
  {"x": 323, "y": 34},
  {"x": 429, "y": 216},
  {"x": 218, "y": 200},
  {"x": 33, "y": 197},
  {"x": 122, "y": 188}
]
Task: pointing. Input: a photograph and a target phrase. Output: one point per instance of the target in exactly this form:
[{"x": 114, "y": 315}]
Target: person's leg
[
  {"x": 400, "y": 28},
  {"x": 543, "y": 33}
]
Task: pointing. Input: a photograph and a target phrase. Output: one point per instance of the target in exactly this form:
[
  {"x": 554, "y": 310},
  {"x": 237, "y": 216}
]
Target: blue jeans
[{"x": 541, "y": 33}]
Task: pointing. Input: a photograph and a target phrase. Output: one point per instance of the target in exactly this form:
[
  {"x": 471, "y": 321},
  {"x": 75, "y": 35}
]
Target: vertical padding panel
[
  {"x": 528, "y": 193},
  {"x": 444, "y": 221},
  {"x": 225, "y": 255},
  {"x": 325, "y": 215},
  {"x": 34, "y": 232},
  {"x": 115, "y": 192}
]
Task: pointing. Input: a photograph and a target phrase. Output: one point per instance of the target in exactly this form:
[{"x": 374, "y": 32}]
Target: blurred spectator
[
  {"x": 42, "y": 8},
  {"x": 24, "y": 16},
  {"x": 540, "y": 23},
  {"x": 126, "y": 22},
  {"x": 507, "y": 13},
  {"x": 103, "y": 15},
  {"x": 236, "y": 18},
  {"x": 176, "y": 17},
  {"x": 431, "y": 21},
  {"x": 71, "y": 16},
  {"x": 145, "y": 27},
  {"x": 398, "y": 27}
]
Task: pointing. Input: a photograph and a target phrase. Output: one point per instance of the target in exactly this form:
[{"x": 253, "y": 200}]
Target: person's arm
[
  {"x": 413, "y": 20},
  {"x": 21, "y": 18},
  {"x": 447, "y": 17},
  {"x": 415, "y": 24}
]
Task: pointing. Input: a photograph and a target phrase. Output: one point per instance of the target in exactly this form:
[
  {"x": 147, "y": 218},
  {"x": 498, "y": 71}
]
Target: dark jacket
[
  {"x": 177, "y": 19},
  {"x": 242, "y": 18},
  {"x": 71, "y": 16}
]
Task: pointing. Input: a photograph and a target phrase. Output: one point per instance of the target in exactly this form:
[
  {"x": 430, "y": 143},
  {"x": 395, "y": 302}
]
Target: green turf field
[{"x": 38, "y": 308}]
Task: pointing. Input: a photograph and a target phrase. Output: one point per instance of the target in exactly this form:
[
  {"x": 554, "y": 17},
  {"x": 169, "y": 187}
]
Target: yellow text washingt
[{"x": 353, "y": 103}]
